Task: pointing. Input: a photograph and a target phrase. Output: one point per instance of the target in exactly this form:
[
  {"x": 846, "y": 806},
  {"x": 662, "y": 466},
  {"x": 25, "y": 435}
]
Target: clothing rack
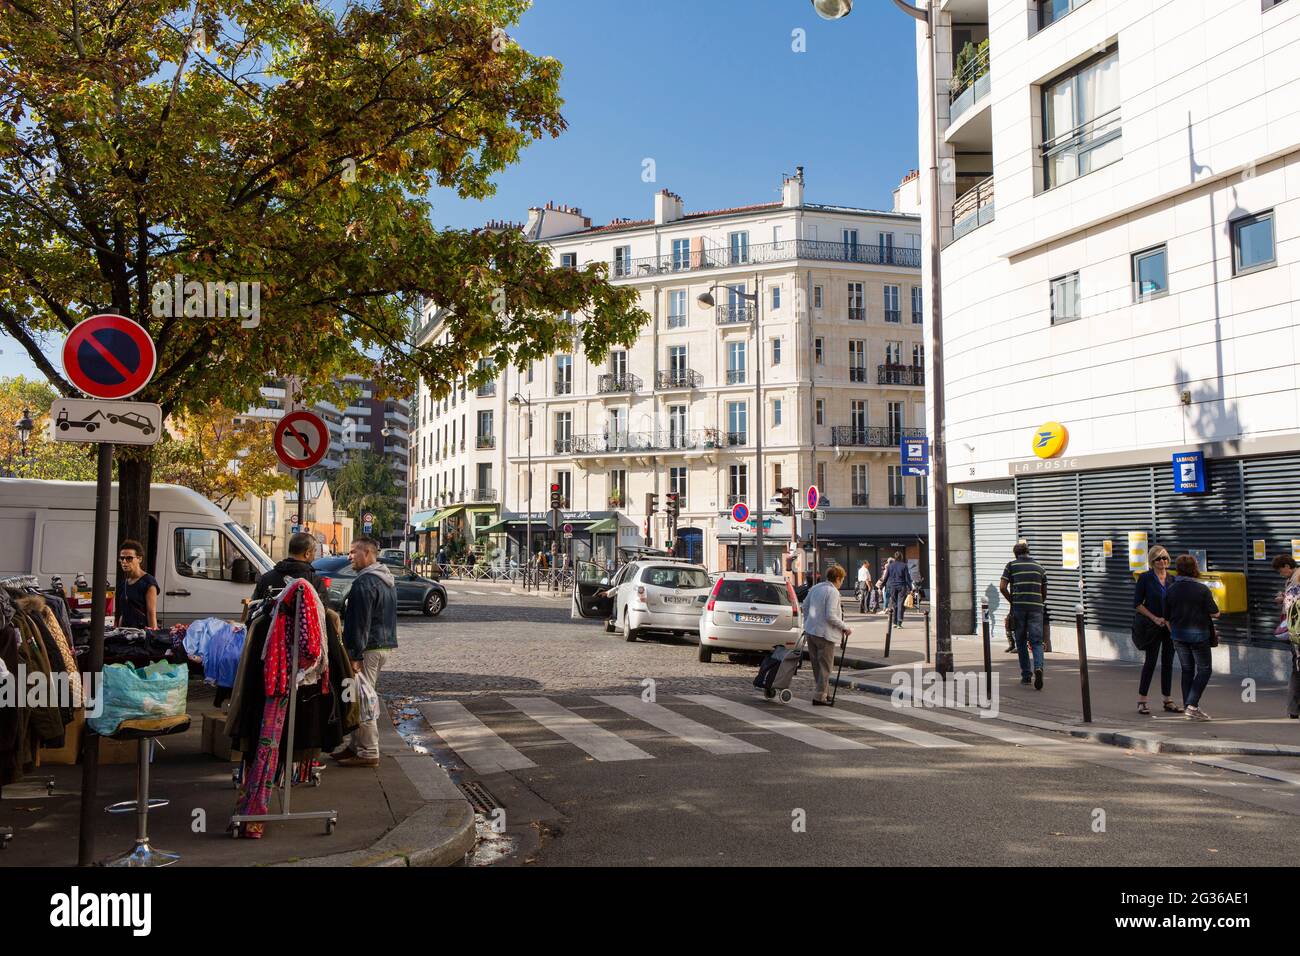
[
  {"x": 20, "y": 582},
  {"x": 331, "y": 817}
]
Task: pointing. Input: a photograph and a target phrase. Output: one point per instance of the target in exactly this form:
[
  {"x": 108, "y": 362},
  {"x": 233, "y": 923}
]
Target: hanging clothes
[
  {"x": 218, "y": 644},
  {"x": 58, "y": 643}
]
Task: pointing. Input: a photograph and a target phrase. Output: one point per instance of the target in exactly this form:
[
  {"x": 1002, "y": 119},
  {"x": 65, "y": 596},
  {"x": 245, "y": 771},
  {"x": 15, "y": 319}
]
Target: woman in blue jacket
[
  {"x": 1191, "y": 613},
  {"x": 1151, "y": 630}
]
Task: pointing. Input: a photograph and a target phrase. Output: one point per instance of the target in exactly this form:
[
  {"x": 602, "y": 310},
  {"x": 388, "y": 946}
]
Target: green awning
[
  {"x": 440, "y": 517},
  {"x": 603, "y": 526},
  {"x": 496, "y": 527}
]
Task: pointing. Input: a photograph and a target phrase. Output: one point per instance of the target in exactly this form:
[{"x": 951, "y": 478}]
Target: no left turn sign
[{"x": 301, "y": 439}]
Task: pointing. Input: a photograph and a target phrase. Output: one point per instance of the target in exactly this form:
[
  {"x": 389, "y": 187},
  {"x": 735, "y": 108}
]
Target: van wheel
[
  {"x": 706, "y": 655},
  {"x": 433, "y": 604},
  {"x": 629, "y": 633}
]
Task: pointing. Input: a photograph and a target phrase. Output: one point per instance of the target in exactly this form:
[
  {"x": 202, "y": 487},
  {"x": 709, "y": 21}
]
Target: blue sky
[{"x": 714, "y": 94}]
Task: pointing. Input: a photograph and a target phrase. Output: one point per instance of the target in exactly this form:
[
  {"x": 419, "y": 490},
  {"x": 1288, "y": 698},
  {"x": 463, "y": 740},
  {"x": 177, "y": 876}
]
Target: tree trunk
[{"x": 134, "y": 474}]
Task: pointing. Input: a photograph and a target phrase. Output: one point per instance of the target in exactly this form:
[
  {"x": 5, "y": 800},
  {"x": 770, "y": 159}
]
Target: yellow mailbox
[{"x": 1228, "y": 588}]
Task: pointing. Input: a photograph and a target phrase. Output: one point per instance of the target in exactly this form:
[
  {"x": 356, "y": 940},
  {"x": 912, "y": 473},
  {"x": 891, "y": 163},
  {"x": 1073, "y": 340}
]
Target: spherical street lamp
[
  {"x": 832, "y": 9},
  {"x": 25, "y": 427}
]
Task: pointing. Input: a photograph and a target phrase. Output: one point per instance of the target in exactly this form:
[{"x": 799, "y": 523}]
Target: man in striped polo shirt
[{"x": 1024, "y": 585}]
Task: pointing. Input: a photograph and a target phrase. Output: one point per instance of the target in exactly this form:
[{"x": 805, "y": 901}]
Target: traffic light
[
  {"x": 555, "y": 497},
  {"x": 674, "y": 507},
  {"x": 651, "y": 503},
  {"x": 786, "y": 506}
]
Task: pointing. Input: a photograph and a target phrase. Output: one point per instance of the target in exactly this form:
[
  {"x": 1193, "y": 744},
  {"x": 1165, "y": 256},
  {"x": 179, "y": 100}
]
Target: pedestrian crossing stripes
[{"x": 483, "y": 750}]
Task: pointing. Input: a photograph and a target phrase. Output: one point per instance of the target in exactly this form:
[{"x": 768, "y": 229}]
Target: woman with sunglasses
[
  {"x": 137, "y": 603},
  {"x": 1151, "y": 630}
]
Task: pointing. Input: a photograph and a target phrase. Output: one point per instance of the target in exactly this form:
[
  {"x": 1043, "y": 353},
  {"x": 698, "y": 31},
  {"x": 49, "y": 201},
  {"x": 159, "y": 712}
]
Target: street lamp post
[
  {"x": 706, "y": 300},
  {"x": 941, "y": 595},
  {"x": 24, "y": 426},
  {"x": 527, "y": 403}
]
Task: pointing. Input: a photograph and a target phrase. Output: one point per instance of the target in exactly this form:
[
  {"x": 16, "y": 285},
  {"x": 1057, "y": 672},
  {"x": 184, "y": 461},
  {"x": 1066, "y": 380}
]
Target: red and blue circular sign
[
  {"x": 301, "y": 439},
  {"x": 814, "y": 496},
  {"x": 740, "y": 512},
  {"x": 109, "y": 356}
]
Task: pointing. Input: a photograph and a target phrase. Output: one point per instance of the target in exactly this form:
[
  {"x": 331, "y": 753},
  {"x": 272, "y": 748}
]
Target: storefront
[
  {"x": 848, "y": 538},
  {"x": 593, "y": 535}
]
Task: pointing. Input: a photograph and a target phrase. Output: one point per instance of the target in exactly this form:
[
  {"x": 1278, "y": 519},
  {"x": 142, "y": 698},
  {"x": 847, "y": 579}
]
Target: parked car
[
  {"x": 654, "y": 594},
  {"x": 748, "y": 612},
  {"x": 414, "y": 592}
]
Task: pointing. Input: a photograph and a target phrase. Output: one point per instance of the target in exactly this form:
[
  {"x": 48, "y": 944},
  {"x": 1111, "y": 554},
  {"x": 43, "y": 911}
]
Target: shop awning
[
  {"x": 440, "y": 517},
  {"x": 496, "y": 527},
  {"x": 604, "y": 526}
]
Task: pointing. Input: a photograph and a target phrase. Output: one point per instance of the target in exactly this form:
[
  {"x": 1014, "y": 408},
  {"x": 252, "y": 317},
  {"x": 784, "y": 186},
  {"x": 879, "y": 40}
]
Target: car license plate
[
  {"x": 679, "y": 600},
  {"x": 754, "y": 619}
]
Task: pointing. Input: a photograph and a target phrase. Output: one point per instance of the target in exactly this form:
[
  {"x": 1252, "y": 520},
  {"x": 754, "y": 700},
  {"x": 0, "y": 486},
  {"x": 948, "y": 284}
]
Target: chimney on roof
[
  {"x": 907, "y": 195},
  {"x": 792, "y": 189},
  {"x": 668, "y": 207},
  {"x": 552, "y": 220}
]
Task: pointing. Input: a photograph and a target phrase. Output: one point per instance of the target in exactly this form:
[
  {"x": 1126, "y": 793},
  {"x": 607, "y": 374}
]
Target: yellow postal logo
[{"x": 1050, "y": 439}]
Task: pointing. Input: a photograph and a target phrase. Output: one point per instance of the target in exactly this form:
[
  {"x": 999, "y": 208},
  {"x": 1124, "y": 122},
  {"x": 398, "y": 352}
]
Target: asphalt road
[{"x": 505, "y": 691}]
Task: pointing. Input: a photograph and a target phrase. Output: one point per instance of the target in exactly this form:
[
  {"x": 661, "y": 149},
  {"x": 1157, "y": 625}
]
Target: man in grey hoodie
[{"x": 370, "y": 635}]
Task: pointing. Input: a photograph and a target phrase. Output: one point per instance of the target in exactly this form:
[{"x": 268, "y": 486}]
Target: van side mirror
[{"x": 241, "y": 571}]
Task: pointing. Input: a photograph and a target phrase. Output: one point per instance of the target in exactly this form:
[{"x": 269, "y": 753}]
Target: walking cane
[{"x": 835, "y": 688}]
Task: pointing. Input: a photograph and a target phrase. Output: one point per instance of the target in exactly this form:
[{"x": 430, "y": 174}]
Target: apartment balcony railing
[
  {"x": 678, "y": 378},
  {"x": 1081, "y": 150},
  {"x": 564, "y": 446},
  {"x": 900, "y": 375},
  {"x": 857, "y": 313},
  {"x": 871, "y": 436},
  {"x": 857, "y": 373},
  {"x": 893, "y": 316},
  {"x": 729, "y": 314},
  {"x": 737, "y": 438},
  {"x": 563, "y": 387},
  {"x": 486, "y": 390},
  {"x": 733, "y": 500},
  {"x": 859, "y": 499},
  {"x": 735, "y": 376},
  {"x": 486, "y": 441},
  {"x": 482, "y": 494},
  {"x": 971, "y": 84},
  {"x": 722, "y": 257},
  {"x": 615, "y": 501},
  {"x": 618, "y": 443},
  {"x": 973, "y": 209},
  {"x": 614, "y": 383}
]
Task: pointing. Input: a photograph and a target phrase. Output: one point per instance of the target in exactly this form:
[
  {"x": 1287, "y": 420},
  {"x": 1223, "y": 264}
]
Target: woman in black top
[
  {"x": 137, "y": 601},
  {"x": 1149, "y": 623}
]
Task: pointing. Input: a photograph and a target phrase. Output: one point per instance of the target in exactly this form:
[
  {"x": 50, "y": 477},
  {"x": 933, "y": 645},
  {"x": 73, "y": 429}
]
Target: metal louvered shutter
[
  {"x": 1273, "y": 515},
  {"x": 1113, "y": 503},
  {"x": 1046, "y": 506},
  {"x": 993, "y": 532},
  {"x": 1210, "y": 522}
]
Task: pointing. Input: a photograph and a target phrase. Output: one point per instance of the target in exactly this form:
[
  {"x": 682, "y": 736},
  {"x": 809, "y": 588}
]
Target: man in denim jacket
[{"x": 370, "y": 635}]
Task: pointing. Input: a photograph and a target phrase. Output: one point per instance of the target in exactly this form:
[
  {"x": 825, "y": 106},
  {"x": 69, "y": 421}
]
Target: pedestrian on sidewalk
[
  {"x": 1151, "y": 630},
  {"x": 1024, "y": 585},
  {"x": 864, "y": 585},
  {"x": 824, "y": 627},
  {"x": 137, "y": 600},
  {"x": 897, "y": 581},
  {"x": 302, "y": 551},
  {"x": 370, "y": 635},
  {"x": 1191, "y": 610},
  {"x": 1285, "y": 565}
]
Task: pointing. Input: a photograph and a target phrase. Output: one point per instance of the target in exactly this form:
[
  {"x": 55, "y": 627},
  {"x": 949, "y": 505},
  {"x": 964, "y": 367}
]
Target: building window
[
  {"x": 565, "y": 480},
  {"x": 1150, "y": 274},
  {"x": 737, "y": 423},
  {"x": 622, "y": 261},
  {"x": 681, "y": 254},
  {"x": 677, "y": 365},
  {"x": 850, "y": 238},
  {"x": 677, "y": 434},
  {"x": 568, "y": 260},
  {"x": 860, "y": 490},
  {"x": 858, "y": 418},
  {"x": 886, "y": 248},
  {"x": 738, "y": 243},
  {"x": 776, "y": 477},
  {"x": 485, "y": 424},
  {"x": 918, "y": 355},
  {"x": 776, "y": 413},
  {"x": 1081, "y": 121},
  {"x": 918, "y": 312},
  {"x": 1065, "y": 298},
  {"x": 892, "y": 312},
  {"x": 817, "y": 297},
  {"x": 857, "y": 361},
  {"x": 677, "y": 309},
  {"x": 1252, "y": 243},
  {"x": 819, "y": 351},
  {"x": 922, "y": 492},
  {"x": 618, "y": 488},
  {"x": 821, "y": 477},
  {"x": 1049, "y": 11},
  {"x": 897, "y": 489},
  {"x": 776, "y": 351},
  {"x": 563, "y": 433},
  {"x": 735, "y": 363},
  {"x": 776, "y": 297},
  {"x": 737, "y": 484},
  {"x": 857, "y": 302},
  {"x": 895, "y": 422},
  {"x": 677, "y": 484},
  {"x": 618, "y": 366},
  {"x": 821, "y": 411}
]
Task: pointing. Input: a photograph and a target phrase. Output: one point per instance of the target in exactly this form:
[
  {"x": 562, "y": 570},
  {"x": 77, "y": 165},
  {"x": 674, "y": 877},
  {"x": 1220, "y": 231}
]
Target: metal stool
[{"x": 144, "y": 731}]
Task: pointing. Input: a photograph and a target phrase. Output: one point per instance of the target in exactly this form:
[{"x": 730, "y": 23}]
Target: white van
[{"x": 205, "y": 563}]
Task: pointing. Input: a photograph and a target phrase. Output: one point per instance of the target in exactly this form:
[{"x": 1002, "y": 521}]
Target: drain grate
[{"x": 482, "y": 801}]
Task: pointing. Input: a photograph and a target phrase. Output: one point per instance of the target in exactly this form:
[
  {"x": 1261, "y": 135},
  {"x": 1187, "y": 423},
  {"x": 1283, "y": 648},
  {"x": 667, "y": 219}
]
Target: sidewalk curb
[
  {"x": 1129, "y": 740},
  {"x": 543, "y": 593},
  {"x": 438, "y": 833}
]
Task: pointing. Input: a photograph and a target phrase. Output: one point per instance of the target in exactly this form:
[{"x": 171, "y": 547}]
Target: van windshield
[{"x": 249, "y": 547}]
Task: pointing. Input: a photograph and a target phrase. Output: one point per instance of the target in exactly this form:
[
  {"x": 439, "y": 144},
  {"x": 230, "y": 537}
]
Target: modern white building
[
  {"x": 836, "y": 338},
  {"x": 1119, "y": 202}
]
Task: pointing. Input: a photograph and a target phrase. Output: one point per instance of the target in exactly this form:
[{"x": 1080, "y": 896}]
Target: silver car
[
  {"x": 644, "y": 596},
  {"x": 748, "y": 612}
]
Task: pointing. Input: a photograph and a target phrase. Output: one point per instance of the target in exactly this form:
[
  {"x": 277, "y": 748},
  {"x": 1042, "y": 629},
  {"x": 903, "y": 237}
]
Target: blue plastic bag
[{"x": 131, "y": 693}]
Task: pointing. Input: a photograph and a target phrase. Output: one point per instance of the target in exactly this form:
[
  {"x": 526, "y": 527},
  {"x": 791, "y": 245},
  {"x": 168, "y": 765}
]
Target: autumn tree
[
  {"x": 222, "y": 456},
  {"x": 42, "y": 458},
  {"x": 365, "y": 483},
  {"x": 288, "y": 144}
]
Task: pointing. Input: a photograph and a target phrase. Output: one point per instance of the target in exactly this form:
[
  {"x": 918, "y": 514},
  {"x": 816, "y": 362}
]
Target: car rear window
[
  {"x": 675, "y": 578},
  {"x": 753, "y": 592}
]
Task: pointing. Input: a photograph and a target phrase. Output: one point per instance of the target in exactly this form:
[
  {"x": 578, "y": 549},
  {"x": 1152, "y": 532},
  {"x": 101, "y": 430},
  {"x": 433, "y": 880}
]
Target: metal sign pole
[{"x": 99, "y": 598}]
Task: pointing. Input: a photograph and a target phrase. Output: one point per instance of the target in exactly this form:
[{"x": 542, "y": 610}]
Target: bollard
[
  {"x": 1083, "y": 665},
  {"x": 889, "y": 632},
  {"x": 927, "y": 635},
  {"x": 988, "y": 651}
]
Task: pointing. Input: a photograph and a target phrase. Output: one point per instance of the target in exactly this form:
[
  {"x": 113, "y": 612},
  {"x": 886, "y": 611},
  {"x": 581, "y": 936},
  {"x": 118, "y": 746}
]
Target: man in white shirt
[{"x": 864, "y": 585}]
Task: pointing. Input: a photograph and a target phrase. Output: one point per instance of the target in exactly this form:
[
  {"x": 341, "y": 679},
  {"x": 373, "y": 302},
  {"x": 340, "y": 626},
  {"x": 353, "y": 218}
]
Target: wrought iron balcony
[
  {"x": 734, "y": 314},
  {"x": 482, "y": 494},
  {"x": 486, "y": 390},
  {"x": 486, "y": 441},
  {"x": 622, "y": 443},
  {"x": 737, "y": 438},
  {"x": 871, "y": 436},
  {"x": 563, "y": 386},
  {"x": 733, "y": 500},
  {"x": 564, "y": 446},
  {"x": 857, "y": 373},
  {"x": 735, "y": 376},
  {"x": 859, "y": 499},
  {"x": 721, "y": 257},
  {"x": 900, "y": 375},
  {"x": 678, "y": 378},
  {"x": 857, "y": 313},
  {"x": 614, "y": 383},
  {"x": 893, "y": 316}
]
